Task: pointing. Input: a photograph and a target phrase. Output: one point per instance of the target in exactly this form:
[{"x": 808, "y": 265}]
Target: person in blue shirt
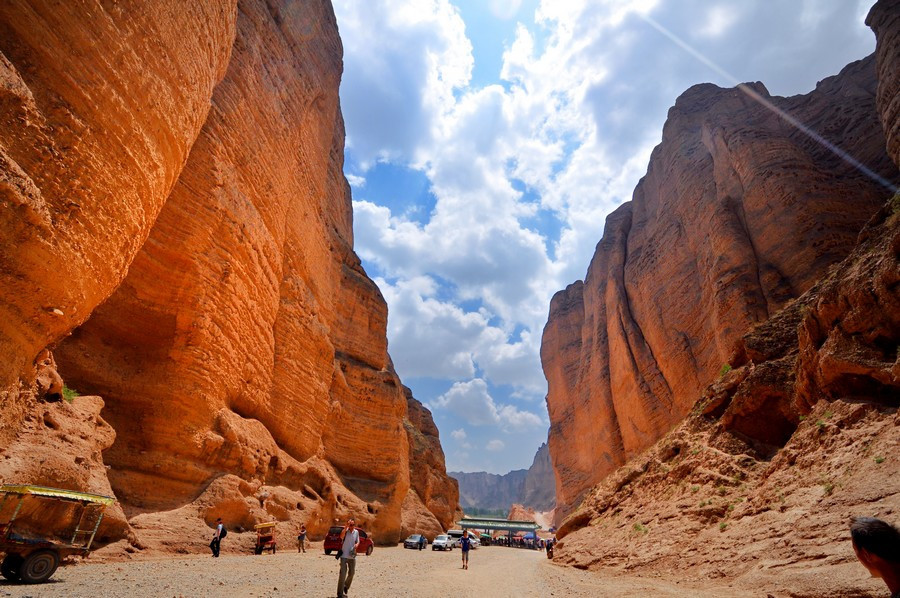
[{"x": 465, "y": 543}]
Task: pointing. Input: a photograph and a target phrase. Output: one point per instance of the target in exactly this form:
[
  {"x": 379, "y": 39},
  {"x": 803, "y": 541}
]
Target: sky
[{"x": 487, "y": 140}]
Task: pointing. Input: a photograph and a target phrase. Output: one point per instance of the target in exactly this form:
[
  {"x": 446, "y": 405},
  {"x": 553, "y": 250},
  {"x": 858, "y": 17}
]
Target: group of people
[{"x": 875, "y": 542}]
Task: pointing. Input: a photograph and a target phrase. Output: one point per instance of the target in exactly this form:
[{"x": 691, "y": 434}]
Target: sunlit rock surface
[
  {"x": 240, "y": 348},
  {"x": 99, "y": 107},
  {"x": 738, "y": 214}
]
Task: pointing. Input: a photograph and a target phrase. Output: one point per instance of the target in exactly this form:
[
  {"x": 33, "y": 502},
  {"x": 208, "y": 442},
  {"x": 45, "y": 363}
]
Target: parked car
[
  {"x": 443, "y": 542},
  {"x": 415, "y": 541},
  {"x": 455, "y": 535},
  {"x": 333, "y": 541},
  {"x": 474, "y": 542}
]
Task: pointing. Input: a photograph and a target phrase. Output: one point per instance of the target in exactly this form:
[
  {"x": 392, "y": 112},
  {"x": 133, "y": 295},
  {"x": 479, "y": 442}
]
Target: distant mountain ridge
[{"x": 534, "y": 487}]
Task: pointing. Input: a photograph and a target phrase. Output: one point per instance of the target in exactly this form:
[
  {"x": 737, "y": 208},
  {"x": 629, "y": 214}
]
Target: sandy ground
[{"x": 388, "y": 572}]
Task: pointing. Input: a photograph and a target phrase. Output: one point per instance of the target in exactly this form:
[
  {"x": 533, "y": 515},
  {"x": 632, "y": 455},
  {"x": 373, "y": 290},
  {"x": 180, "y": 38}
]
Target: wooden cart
[
  {"x": 265, "y": 537},
  {"x": 31, "y": 556}
]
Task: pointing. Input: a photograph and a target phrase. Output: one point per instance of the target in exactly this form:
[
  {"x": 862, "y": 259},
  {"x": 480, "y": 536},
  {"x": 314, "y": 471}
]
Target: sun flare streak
[{"x": 755, "y": 96}]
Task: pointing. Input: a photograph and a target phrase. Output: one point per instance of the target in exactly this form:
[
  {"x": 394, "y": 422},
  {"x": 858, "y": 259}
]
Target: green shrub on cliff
[{"x": 69, "y": 394}]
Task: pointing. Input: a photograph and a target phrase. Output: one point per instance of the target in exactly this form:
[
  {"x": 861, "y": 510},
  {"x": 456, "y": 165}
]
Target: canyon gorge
[{"x": 177, "y": 245}]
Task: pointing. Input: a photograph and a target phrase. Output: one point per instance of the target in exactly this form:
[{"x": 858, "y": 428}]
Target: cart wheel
[
  {"x": 369, "y": 550},
  {"x": 11, "y": 566},
  {"x": 39, "y": 566},
  {"x": 273, "y": 548},
  {"x": 257, "y": 549},
  {"x": 327, "y": 551}
]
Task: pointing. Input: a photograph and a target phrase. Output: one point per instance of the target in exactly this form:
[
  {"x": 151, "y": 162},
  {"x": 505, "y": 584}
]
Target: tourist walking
[
  {"x": 301, "y": 538},
  {"x": 465, "y": 544},
  {"x": 347, "y": 556},
  {"x": 218, "y": 536}
]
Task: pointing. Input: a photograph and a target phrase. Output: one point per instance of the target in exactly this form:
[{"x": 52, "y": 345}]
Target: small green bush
[
  {"x": 724, "y": 369},
  {"x": 723, "y": 526},
  {"x": 879, "y": 460},
  {"x": 695, "y": 488},
  {"x": 639, "y": 528},
  {"x": 69, "y": 394}
]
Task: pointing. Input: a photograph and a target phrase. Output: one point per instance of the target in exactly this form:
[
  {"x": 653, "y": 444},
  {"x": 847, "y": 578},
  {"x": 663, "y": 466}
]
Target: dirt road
[{"x": 389, "y": 572}]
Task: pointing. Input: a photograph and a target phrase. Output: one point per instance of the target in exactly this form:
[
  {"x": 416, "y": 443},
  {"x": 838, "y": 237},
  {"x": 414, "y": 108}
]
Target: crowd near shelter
[{"x": 510, "y": 526}]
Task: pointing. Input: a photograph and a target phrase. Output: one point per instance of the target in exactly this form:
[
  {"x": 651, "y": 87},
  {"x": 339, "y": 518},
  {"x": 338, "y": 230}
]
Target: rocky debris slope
[
  {"x": 240, "y": 348},
  {"x": 738, "y": 213},
  {"x": 758, "y": 483}
]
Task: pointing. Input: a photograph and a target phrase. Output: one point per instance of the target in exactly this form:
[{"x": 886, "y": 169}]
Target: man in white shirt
[{"x": 349, "y": 544}]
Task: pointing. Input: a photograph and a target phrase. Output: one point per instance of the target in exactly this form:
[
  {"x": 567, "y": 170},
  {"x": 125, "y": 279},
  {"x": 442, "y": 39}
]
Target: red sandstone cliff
[
  {"x": 738, "y": 214},
  {"x": 239, "y": 347},
  {"x": 757, "y": 484},
  {"x": 96, "y": 121}
]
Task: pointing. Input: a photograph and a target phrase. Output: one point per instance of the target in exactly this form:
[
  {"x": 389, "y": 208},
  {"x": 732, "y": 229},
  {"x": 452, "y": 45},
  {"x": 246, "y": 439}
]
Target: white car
[
  {"x": 474, "y": 542},
  {"x": 443, "y": 542}
]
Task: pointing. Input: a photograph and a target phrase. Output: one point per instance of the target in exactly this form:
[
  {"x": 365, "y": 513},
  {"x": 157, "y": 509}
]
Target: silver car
[{"x": 443, "y": 542}]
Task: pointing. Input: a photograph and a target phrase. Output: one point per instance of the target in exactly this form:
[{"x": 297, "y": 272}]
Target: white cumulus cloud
[{"x": 472, "y": 402}]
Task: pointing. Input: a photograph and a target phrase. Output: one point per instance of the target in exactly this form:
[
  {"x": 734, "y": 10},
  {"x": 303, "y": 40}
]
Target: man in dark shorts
[
  {"x": 301, "y": 538},
  {"x": 877, "y": 546},
  {"x": 465, "y": 544}
]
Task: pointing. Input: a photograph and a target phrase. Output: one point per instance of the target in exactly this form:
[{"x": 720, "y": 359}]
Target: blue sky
[{"x": 487, "y": 140}]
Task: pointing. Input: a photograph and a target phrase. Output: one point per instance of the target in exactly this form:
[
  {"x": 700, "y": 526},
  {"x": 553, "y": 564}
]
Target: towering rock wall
[
  {"x": 98, "y": 111},
  {"x": 243, "y": 359},
  {"x": 738, "y": 214}
]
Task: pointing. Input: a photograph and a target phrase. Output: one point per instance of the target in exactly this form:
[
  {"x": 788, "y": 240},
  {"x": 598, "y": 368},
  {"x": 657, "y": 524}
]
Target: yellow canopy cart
[
  {"x": 32, "y": 555},
  {"x": 265, "y": 537}
]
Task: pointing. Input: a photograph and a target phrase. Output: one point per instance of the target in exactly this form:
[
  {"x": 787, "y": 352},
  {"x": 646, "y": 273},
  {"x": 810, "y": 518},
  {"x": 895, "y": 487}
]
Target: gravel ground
[{"x": 388, "y": 572}]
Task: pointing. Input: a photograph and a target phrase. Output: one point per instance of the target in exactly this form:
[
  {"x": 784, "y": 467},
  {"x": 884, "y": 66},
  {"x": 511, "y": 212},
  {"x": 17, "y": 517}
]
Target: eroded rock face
[
  {"x": 884, "y": 19},
  {"x": 738, "y": 214},
  {"x": 243, "y": 359},
  {"x": 99, "y": 107},
  {"x": 805, "y": 423},
  {"x": 433, "y": 500}
]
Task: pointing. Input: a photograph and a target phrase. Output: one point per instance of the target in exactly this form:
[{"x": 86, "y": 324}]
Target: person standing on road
[
  {"x": 347, "y": 555},
  {"x": 220, "y": 532},
  {"x": 465, "y": 543},
  {"x": 301, "y": 538}
]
